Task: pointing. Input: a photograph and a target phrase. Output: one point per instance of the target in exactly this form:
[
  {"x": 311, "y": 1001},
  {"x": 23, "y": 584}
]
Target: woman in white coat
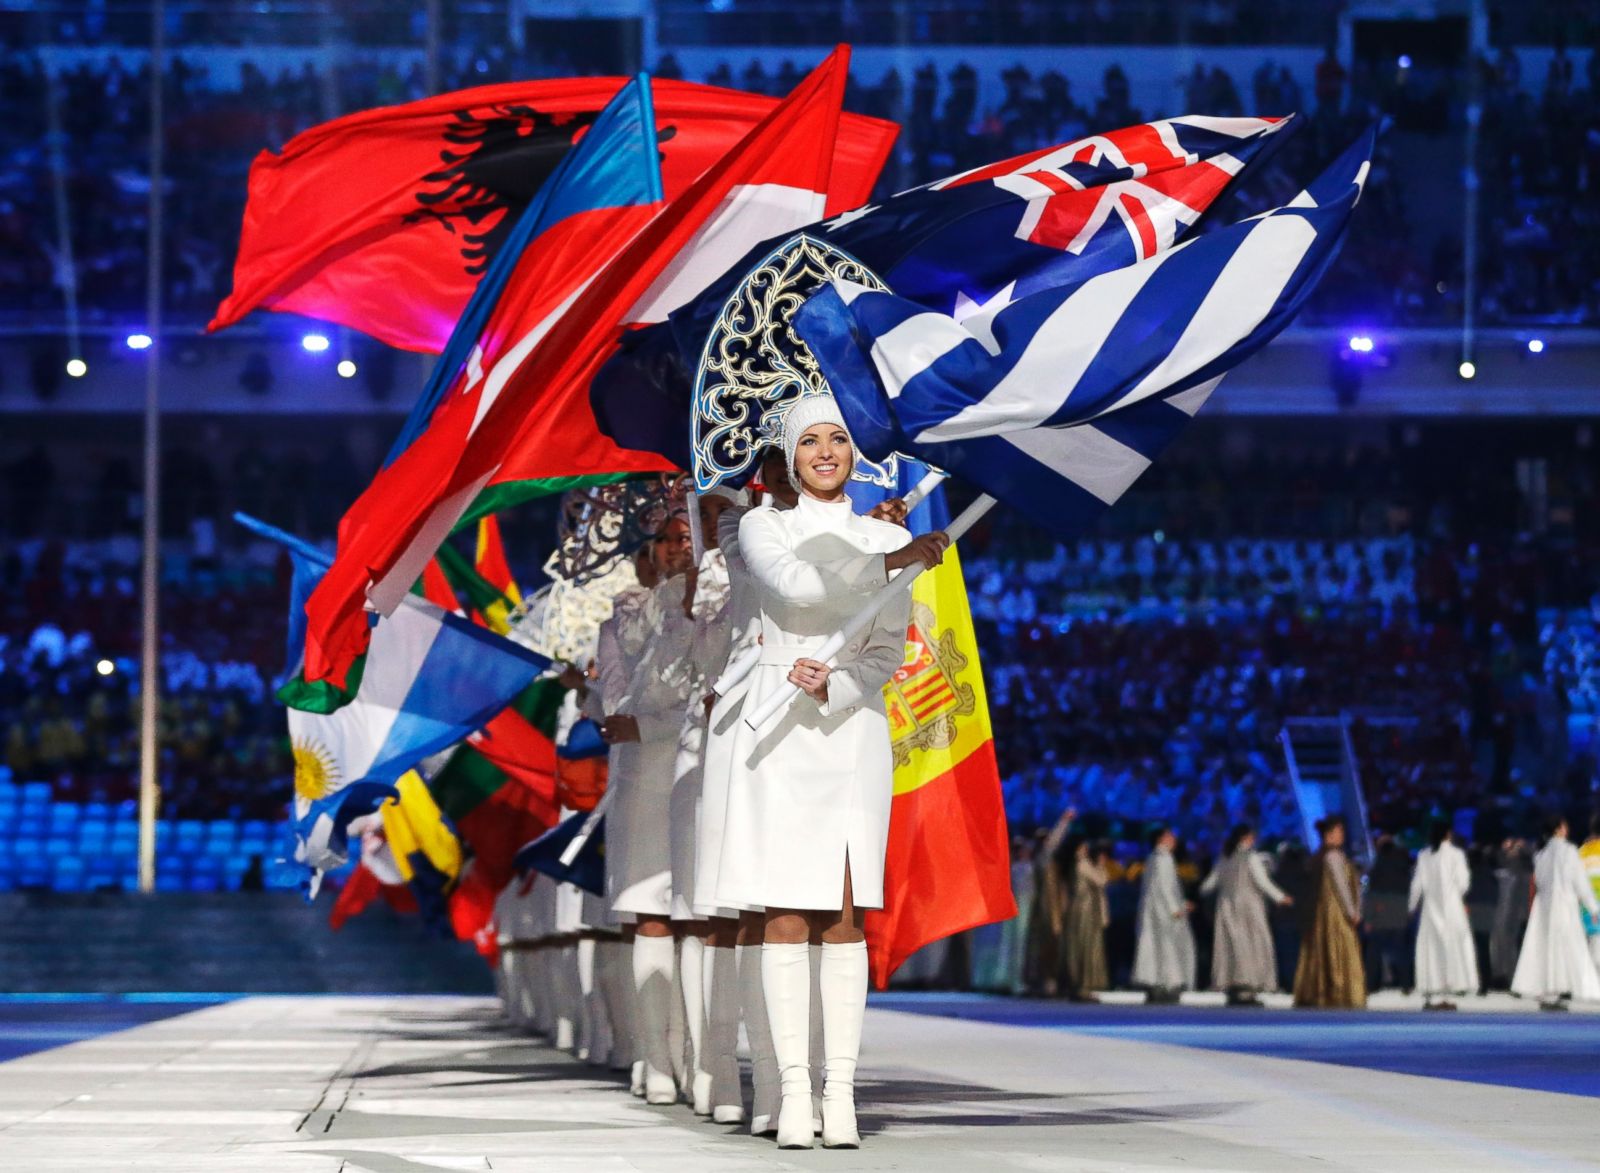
[
  {"x": 747, "y": 924},
  {"x": 642, "y": 727},
  {"x": 1555, "y": 962},
  {"x": 808, "y": 800},
  {"x": 1447, "y": 959}
]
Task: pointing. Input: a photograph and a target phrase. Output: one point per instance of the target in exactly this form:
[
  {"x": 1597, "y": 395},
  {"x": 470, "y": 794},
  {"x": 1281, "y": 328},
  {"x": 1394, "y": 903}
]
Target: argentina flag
[{"x": 1055, "y": 402}]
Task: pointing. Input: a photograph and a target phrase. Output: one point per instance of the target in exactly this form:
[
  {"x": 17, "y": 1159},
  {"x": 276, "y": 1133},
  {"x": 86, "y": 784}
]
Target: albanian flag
[{"x": 420, "y": 197}]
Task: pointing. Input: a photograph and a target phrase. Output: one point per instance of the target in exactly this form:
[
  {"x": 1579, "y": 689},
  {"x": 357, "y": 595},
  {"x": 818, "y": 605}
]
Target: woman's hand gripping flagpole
[
  {"x": 745, "y": 664},
  {"x": 900, "y": 584}
]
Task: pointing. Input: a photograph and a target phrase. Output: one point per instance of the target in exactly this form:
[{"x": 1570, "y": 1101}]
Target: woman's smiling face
[{"x": 823, "y": 459}]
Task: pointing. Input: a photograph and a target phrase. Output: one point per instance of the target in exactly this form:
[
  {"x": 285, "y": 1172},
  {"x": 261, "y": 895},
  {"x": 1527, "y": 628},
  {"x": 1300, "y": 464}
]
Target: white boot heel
[
  {"x": 839, "y": 1129},
  {"x": 794, "y": 1122}
]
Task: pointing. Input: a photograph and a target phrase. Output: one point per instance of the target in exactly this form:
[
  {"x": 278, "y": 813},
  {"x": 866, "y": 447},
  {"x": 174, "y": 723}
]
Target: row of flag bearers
[
  {"x": 737, "y": 860},
  {"x": 1042, "y": 327}
]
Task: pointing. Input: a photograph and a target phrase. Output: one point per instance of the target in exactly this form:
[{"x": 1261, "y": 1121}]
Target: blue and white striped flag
[
  {"x": 1057, "y": 401},
  {"x": 431, "y": 679}
]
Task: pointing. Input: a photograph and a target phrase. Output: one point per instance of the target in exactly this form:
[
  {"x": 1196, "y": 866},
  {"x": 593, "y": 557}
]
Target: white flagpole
[
  {"x": 697, "y": 533},
  {"x": 930, "y": 481},
  {"x": 900, "y": 584},
  {"x": 150, "y": 576},
  {"x": 746, "y": 663}
]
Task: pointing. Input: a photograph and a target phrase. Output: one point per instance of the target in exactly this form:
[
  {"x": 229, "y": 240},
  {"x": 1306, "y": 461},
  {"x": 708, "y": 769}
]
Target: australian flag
[
  {"x": 964, "y": 246},
  {"x": 1056, "y": 396}
]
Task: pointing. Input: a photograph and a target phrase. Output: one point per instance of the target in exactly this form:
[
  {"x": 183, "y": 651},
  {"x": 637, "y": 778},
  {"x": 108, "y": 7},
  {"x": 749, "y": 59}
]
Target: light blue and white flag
[
  {"x": 1057, "y": 401},
  {"x": 431, "y": 678}
]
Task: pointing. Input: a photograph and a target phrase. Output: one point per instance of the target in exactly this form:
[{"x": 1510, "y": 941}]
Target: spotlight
[
  {"x": 1536, "y": 346},
  {"x": 105, "y": 667},
  {"x": 77, "y": 368},
  {"x": 1405, "y": 61},
  {"x": 347, "y": 369},
  {"x": 1361, "y": 343},
  {"x": 315, "y": 343},
  {"x": 1467, "y": 370},
  {"x": 140, "y": 342}
]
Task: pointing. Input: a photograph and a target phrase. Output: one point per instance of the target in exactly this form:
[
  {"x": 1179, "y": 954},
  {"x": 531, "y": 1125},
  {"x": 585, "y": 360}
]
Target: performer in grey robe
[
  {"x": 1513, "y": 877},
  {"x": 1164, "y": 962},
  {"x": 1243, "y": 960}
]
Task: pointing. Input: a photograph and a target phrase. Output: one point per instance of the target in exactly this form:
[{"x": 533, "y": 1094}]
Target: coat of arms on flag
[{"x": 929, "y": 695}]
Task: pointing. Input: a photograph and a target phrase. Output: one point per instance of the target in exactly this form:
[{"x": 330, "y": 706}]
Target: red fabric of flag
[
  {"x": 497, "y": 829},
  {"x": 538, "y": 423},
  {"x": 948, "y": 867},
  {"x": 522, "y": 751},
  {"x": 417, "y": 197}
]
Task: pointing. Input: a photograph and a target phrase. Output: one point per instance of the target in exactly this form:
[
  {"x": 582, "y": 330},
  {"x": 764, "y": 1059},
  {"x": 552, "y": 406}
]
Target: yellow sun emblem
[{"x": 315, "y": 771}]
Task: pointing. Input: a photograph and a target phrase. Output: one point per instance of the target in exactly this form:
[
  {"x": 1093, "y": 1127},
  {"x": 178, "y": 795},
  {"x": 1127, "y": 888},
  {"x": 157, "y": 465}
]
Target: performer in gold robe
[{"x": 1330, "y": 972}]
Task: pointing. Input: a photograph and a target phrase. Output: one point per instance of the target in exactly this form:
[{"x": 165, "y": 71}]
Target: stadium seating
[{"x": 94, "y": 846}]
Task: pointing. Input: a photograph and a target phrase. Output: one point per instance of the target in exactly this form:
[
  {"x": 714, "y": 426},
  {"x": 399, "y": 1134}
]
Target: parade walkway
[{"x": 415, "y": 1084}]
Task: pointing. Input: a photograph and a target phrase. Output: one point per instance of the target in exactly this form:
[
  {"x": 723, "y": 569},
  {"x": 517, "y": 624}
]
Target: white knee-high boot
[
  {"x": 569, "y": 999},
  {"x": 786, "y": 981},
  {"x": 692, "y": 980},
  {"x": 763, "y": 1063},
  {"x": 818, "y": 1074},
  {"x": 843, "y": 979},
  {"x": 653, "y": 968},
  {"x": 722, "y": 1035},
  {"x": 590, "y": 1044},
  {"x": 613, "y": 967},
  {"x": 678, "y": 1031}
]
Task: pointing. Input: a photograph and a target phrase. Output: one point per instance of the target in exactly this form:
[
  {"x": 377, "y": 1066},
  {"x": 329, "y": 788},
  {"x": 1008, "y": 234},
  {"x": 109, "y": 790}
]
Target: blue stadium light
[
  {"x": 77, "y": 368},
  {"x": 315, "y": 343},
  {"x": 1405, "y": 61},
  {"x": 346, "y": 369},
  {"x": 1536, "y": 346},
  {"x": 1361, "y": 343},
  {"x": 140, "y": 342}
]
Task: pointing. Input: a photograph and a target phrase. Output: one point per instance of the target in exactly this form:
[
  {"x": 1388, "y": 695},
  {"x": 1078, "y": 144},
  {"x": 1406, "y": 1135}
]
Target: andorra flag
[{"x": 948, "y": 867}]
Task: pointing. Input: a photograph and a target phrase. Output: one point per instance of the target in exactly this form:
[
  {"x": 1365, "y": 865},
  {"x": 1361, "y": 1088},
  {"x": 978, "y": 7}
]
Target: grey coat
[
  {"x": 1165, "y": 959},
  {"x": 1242, "y": 956}
]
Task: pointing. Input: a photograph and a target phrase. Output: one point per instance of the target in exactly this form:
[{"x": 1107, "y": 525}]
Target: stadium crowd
[{"x": 1538, "y": 144}]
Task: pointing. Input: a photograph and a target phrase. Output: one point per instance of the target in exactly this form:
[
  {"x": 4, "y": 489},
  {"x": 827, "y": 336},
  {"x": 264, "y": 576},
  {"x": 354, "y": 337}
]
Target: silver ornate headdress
[{"x": 754, "y": 364}]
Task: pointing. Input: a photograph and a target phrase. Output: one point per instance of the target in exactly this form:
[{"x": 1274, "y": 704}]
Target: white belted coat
[
  {"x": 743, "y": 629},
  {"x": 638, "y": 853},
  {"x": 708, "y": 651},
  {"x": 812, "y": 789}
]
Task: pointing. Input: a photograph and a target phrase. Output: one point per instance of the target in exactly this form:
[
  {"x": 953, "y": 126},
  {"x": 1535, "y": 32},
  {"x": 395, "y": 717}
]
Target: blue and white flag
[
  {"x": 431, "y": 678},
  {"x": 984, "y": 237},
  {"x": 1055, "y": 402}
]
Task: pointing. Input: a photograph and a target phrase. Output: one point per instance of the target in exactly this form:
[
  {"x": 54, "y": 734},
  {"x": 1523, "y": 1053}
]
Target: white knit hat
[{"x": 807, "y": 412}]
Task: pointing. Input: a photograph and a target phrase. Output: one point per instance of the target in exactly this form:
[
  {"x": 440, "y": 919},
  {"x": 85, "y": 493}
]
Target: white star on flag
[
  {"x": 850, "y": 217},
  {"x": 977, "y": 317}
]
